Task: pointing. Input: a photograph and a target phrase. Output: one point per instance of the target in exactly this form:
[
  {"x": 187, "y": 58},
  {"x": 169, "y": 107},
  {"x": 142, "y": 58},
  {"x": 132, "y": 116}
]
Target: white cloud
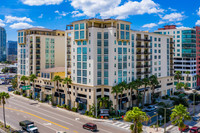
[
  {"x": 198, "y": 22},
  {"x": 161, "y": 22},
  {"x": 61, "y": 13},
  {"x": 41, "y": 16},
  {"x": 114, "y": 8},
  {"x": 198, "y": 12},
  {"x": 11, "y": 19},
  {"x": 172, "y": 17},
  {"x": 2, "y": 23},
  {"x": 41, "y": 2},
  {"x": 20, "y": 25},
  {"x": 151, "y": 25},
  {"x": 171, "y": 9},
  {"x": 77, "y": 14},
  {"x": 178, "y": 23},
  {"x": 182, "y": 27}
]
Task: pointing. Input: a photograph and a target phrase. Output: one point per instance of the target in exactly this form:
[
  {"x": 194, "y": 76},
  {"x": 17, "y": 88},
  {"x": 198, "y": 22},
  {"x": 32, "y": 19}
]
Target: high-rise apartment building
[
  {"x": 105, "y": 52},
  {"x": 184, "y": 52},
  {"x": 2, "y": 44},
  {"x": 11, "y": 52},
  {"x": 39, "y": 49},
  {"x": 198, "y": 52}
]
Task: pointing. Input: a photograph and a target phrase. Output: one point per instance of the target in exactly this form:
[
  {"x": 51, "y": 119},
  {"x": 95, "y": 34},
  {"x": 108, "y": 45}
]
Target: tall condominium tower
[
  {"x": 184, "y": 52},
  {"x": 11, "y": 52},
  {"x": 38, "y": 49},
  {"x": 102, "y": 53},
  {"x": 2, "y": 44}
]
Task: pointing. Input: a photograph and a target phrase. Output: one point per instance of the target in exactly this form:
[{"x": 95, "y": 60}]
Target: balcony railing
[
  {"x": 139, "y": 66},
  {"x": 139, "y": 73},
  {"x": 147, "y": 65},
  {"x": 146, "y": 39}
]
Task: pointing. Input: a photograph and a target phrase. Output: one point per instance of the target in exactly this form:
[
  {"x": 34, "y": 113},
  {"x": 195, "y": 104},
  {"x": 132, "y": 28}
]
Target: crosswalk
[{"x": 119, "y": 124}]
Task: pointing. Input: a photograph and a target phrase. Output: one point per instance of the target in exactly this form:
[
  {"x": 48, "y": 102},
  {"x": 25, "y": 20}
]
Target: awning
[
  {"x": 28, "y": 87},
  {"x": 80, "y": 100},
  {"x": 104, "y": 114},
  {"x": 48, "y": 87},
  {"x": 124, "y": 100}
]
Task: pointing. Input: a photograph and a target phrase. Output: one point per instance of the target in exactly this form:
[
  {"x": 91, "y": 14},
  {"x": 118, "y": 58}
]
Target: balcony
[
  {"x": 148, "y": 59},
  {"x": 139, "y": 73},
  {"x": 139, "y": 52},
  {"x": 172, "y": 42},
  {"x": 147, "y": 66},
  {"x": 68, "y": 52},
  {"x": 139, "y": 59},
  {"x": 147, "y": 52},
  {"x": 147, "y": 72},
  {"x": 146, "y": 39},
  {"x": 139, "y": 66},
  {"x": 142, "y": 46}
]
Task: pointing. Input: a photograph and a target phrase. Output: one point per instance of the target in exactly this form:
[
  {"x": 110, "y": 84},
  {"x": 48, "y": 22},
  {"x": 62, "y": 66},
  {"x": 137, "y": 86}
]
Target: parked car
[
  {"x": 196, "y": 118},
  {"x": 195, "y": 130},
  {"x": 10, "y": 89},
  {"x": 28, "y": 126},
  {"x": 185, "y": 129},
  {"x": 90, "y": 126},
  {"x": 150, "y": 108}
]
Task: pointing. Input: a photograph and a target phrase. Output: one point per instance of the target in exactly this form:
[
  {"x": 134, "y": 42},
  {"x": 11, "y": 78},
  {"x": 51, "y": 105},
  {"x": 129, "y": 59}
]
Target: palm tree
[
  {"x": 153, "y": 82},
  {"x": 137, "y": 117},
  {"x": 179, "y": 115},
  {"x": 132, "y": 86},
  {"x": 145, "y": 82},
  {"x": 24, "y": 79},
  {"x": 116, "y": 91},
  {"x": 14, "y": 83},
  {"x": 32, "y": 79},
  {"x": 68, "y": 81},
  {"x": 123, "y": 87},
  {"x": 138, "y": 83},
  {"x": 187, "y": 78},
  {"x": 3, "y": 97},
  {"x": 56, "y": 80},
  {"x": 178, "y": 75},
  {"x": 103, "y": 102}
]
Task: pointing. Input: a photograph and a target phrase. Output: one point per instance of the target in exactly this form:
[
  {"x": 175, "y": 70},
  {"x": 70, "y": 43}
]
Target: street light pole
[{"x": 165, "y": 120}]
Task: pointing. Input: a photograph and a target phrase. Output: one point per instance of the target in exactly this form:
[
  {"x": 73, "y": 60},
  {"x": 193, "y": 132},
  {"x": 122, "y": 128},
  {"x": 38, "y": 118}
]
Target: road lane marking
[
  {"x": 36, "y": 117},
  {"x": 75, "y": 131},
  {"x": 47, "y": 124}
]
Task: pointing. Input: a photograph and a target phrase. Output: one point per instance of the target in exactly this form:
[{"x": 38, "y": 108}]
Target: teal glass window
[
  {"x": 119, "y": 43},
  {"x": 82, "y": 26},
  {"x": 119, "y": 58},
  {"x": 105, "y": 65},
  {"x": 119, "y": 50},
  {"x": 84, "y": 73},
  {"x": 105, "y": 81},
  {"x": 124, "y": 57},
  {"x": 99, "y": 58},
  {"x": 84, "y": 57},
  {"x": 119, "y": 65},
  {"x": 127, "y": 35},
  {"x": 22, "y": 33},
  {"x": 79, "y": 43},
  {"x": 81, "y": 34},
  {"x": 122, "y": 26},
  {"x": 98, "y": 50},
  {"x": 99, "y": 66},
  {"x": 105, "y": 35},
  {"x": 84, "y": 80},
  {"x": 84, "y": 50},
  {"x": 178, "y": 32},
  {"x": 99, "y": 74},
  {"x": 78, "y": 50},
  {"x": 78, "y": 79},
  {"x": 105, "y": 58},
  {"x": 98, "y": 35},
  {"x": 78, "y": 72},
  {"x": 78, "y": 57},
  {"x": 124, "y": 65},
  {"x": 105, "y": 73},
  {"x": 78, "y": 65},
  {"x": 178, "y": 45},
  {"x": 84, "y": 65},
  {"x": 105, "y": 50},
  {"x": 76, "y": 27},
  {"x": 84, "y": 42},
  {"x": 124, "y": 50},
  {"x": 122, "y": 34},
  {"x": 99, "y": 81},
  {"x": 127, "y": 27},
  {"x": 105, "y": 42},
  {"x": 132, "y": 36},
  {"x": 119, "y": 73},
  {"x": 76, "y": 34},
  {"x": 124, "y": 43},
  {"x": 98, "y": 42},
  {"x": 178, "y": 40}
]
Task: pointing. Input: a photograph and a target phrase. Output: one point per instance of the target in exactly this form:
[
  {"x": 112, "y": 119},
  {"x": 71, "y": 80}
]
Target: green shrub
[
  {"x": 64, "y": 105},
  {"x": 67, "y": 107},
  {"x": 86, "y": 112},
  {"x": 90, "y": 113},
  {"x": 7, "y": 126},
  {"x": 74, "y": 109},
  {"x": 176, "y": 93},
  {"x": 24, "y": 95},
  {"x": 53, "y": 104},
  {"x": 122, "y": 113}
]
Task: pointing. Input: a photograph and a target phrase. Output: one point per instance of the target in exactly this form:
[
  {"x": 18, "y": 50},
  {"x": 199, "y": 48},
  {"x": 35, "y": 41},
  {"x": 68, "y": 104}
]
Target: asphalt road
[{"x": 49, "y": 119}]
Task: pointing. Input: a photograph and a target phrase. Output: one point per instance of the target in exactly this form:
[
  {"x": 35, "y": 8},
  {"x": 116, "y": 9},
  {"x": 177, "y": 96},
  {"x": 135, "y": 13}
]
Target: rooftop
[
  {"x": 55, "y": 69},
  {"x": 103, "y": 20},
  {"x": 40, "y": 29}
]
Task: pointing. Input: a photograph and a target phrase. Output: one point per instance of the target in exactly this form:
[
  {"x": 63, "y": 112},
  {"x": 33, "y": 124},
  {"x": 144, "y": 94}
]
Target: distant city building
[
  {"x": 198, "y": 53},
  {"x": 11, "y": 51},
  {"x": 2, "y": 44},
  {"x": 184, "y": 52}
]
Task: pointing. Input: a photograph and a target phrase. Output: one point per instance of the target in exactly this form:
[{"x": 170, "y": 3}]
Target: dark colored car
[
  {"x": 185, "y": 129},
  {"x": 10, "y": 89},
  {"x": 90, "y": 126},
  {"x": 195, "y": 130},
  {"x": 196, "y": 118}
]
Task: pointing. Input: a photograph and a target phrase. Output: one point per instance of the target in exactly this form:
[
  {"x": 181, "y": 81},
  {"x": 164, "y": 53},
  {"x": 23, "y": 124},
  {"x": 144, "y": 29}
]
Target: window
[
  {"x": 98, "y": 35},
  {"x": 84, "y": 42},
  {"x": 105, "y": 42},
  {"x": 76, "y": 35},
  {"x": 84, "y": 57},
  {"x": 84, "y": 50},
  {"x": 79, "y": 43},
  {"x": 98, "y": 42},
  {"x": 122, "y": 26},
  {"x": 105, "y": 35},
  {"x": 82, "y": 26},
  {"x": 122, "y": 34},
  {"x": 78, "y": 50},
  {"x": 84, "y": 65},
  {"x": 127, "y": 35},
  {"x": 127, "y": 27},
  {"x": 76, "y": 27},
  {"x": 81, "y": 34}
]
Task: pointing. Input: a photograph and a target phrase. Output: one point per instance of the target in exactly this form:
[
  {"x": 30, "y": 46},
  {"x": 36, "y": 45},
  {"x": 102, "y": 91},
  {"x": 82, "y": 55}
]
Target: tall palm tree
[
  {"x": 178, "y": 75},
  {"x": 14, "y": 83},
  {"x": 138, "y": 84},
  {"x": 153, "y": 82},
  {"x": 68, "y": 81},
  {"x": 56, "y": 80},
  {"x": 24, "y": 79},
  {"x": 137, "y": 117},
  {"x": 145, "y": 82},
  {"x": 3, "y": 97},
  {"x": 187, "y": 79},
  {"x": 116, "y": 91},
  {"x": 123, "y": 87},
  {"x": 32, "y": 78},
  {"x": 179, "y": 115},
  {"x": 132, "y": 86}
]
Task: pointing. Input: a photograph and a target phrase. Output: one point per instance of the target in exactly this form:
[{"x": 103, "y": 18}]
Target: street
[{"x": 49, "y": 119}]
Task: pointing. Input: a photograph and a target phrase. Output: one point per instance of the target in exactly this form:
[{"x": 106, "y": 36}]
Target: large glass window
[
  {"x": 98, "y": 35},
  {"x": 76, "y": 27},
  {"x": 78, "y": 79},
  {"x": 79, "y": 43},
  {"x": 84, "y": 50},
  {"x": 105, "y": 50},
  {"x": 76, "y": 34},
  {"x": 98, "y": 50},
  {"x": 78, "y": 50},
  {"x": 105, "y": 35},
  {"x": 84, "y": 65},
  {"x": 122, "y": 34},
  {"x": 78, "y": 72},
  {"x": 105, "y": 42},
  {"x": 78, "y": 65},
  {"x": 122, "y": 26},
  {"x": 84, "y": 57},
  {"x": 119, "y": 50},
  {"x": 84, "y": 42},
  {"x": 98, "y": 42},
  {"x": 127, "y": 35},
  {"x": 105, "y": 81},
  {"x": 85, "y": 73},
  {"x": 82, "y": 26},
  {"x": 78, "y": 57},
  {"x": 81, "y": 34},
  {"x": 105, "y": 65},
  {"x": 127, "y": 27}
]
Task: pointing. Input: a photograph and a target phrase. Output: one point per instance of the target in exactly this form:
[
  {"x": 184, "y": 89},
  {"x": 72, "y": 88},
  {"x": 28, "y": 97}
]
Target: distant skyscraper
[
  {"x": 11, "y": 51},
  {"x": 2, "y": 44}
]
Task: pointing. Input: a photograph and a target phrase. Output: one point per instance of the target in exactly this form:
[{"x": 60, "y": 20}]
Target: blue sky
[{"x": 56, "y": 14}]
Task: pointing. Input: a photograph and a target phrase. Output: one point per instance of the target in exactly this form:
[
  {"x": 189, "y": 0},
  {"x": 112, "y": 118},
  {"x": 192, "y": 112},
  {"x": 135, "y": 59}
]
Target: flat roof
[
  {"x": 103, "y": 20},
  {"x": 55, "y": 69},
  {"x": 41, "y": 29}
]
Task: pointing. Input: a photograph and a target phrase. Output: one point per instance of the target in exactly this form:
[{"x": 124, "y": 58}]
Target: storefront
[
  {"x": 47, "y": 92},
  {"x": 60, "y": 97},
  {"x": 82, "y": 103}
]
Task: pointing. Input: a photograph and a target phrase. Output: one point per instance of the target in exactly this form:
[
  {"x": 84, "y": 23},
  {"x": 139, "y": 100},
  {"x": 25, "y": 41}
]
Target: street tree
[
  {"x": 137, "y": 117},
  {"x": 153, "y": 81},
  {"x": 3, "y": 97},
  {"x": 179, "y": 115},
  {"x": 116, "y": 91},
  {"x": 68, "y": 81}
]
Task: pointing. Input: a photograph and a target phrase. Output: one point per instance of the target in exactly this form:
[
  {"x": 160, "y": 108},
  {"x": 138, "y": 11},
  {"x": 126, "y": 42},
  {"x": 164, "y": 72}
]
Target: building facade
[
  {"x": 2, "y": 44},
  {"x": 38, "y": 49},
  {"x": 11, "y": 52},
  {"x": 107, "y": 52},
  {"x": 184, "y": 52},
  {"x": 198, "y": 53}
]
